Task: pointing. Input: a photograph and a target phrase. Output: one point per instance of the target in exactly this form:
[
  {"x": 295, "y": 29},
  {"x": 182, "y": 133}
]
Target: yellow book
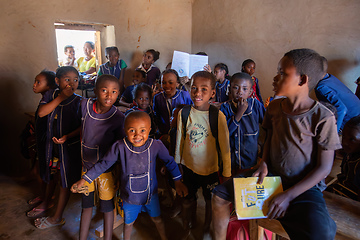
[{"x": 252, "y": 199}]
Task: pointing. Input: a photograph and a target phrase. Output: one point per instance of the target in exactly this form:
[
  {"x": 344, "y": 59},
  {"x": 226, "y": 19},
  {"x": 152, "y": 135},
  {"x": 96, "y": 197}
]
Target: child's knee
[
  {"x": 157, "y": 220},
  {"x": 217, "y": 201}
]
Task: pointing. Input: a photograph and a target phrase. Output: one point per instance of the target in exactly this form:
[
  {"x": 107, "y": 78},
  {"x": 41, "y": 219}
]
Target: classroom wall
[
  {"x": 231, "y": 31},
  {"x": 28, "y": 45}
]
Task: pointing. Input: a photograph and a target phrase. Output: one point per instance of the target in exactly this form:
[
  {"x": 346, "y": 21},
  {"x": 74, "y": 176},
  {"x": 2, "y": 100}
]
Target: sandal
[
  {"x": 35, "y": 200},
  {"x": 43, "y": 223},
  {"x": 35, "y": 212}
]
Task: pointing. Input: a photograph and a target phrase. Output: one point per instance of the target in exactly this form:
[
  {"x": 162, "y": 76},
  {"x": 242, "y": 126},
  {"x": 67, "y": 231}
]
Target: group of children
[{"x": 82, "y": 139}]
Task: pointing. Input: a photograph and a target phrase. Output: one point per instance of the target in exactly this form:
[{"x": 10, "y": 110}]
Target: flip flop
[
  {"x": 35, "y": 201},
  {"x": 44, "y": 223},
  {"x": 35, "y": 212}
]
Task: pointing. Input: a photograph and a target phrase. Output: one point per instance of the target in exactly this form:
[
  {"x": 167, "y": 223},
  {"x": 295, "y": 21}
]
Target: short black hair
[
  {"x": 50, "y": 78},
  {"x": 154, "y": 53},
  {"x": 136, "y": 115},
  {"x": 68, "y": 46},
  {"x": 307, "y": 62},
  {"x": 207, "y": 75},
  {"x": 201, "y": 53},
  {"x": 242, "y": 75},
  {"x": 173, "y": 72},
  {"x": 92, "y": 45},
  {"x": 61, "y": 71},
  {"x": 353, "y": 122},
  {"x": 142, "y": 87},
  {"x": 246, "y": 62},
  {"x": 143, "y": 73},
  {"x": 106, "y": 77},
  {"x": 109, "y": 49}
]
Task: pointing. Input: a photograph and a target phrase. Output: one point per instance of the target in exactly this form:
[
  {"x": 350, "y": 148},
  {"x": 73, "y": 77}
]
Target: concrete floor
[{"x": 14, "y": 194}]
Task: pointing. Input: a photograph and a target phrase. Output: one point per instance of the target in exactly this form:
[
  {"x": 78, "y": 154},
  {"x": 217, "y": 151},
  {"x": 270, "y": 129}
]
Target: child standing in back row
[
  {"x": 243, "y": 115},
  {"x": 301, "y": 137},
  {"x": 248, "y": 66},
  {"x": 102, "y": 124},
  {"x": 138, "y": 185},
  {"x": 62, "y": 106},
  {"x": 152, "y": 73},
  {"x": 199, "y": 151},
  {"x": 221, "y": 73}
]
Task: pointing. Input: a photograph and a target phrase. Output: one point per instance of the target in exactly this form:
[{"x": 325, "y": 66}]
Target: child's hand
[
  {"x": 67, "y": 92},
  {"x": 77, "y": 185},
  {"x": 207, "y": 68},
  {"x": 279, "y": 205},
  {"x": 155, "y": 90},
  {"x": 241, "y": 108},
  {"x": 163, "y": 170},
  {"x": 261, "y": 172},
  {"x": 60, "y": 140},
  {"x": 181, "y": 189}
]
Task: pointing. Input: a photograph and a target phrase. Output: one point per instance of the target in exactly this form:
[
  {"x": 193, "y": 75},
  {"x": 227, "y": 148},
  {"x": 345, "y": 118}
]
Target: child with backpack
[{"x": 202, "y": 143}]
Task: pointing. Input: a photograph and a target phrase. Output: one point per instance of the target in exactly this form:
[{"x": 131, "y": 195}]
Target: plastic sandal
[{"x": 43, "y": 223}]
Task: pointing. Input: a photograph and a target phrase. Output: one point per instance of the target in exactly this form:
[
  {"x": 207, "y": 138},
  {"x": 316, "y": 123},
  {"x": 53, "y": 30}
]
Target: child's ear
[
  {"x": 57, "y": 80},
  {"x": 213, "y": 92},
  {"x": 304, "y": 79},
  {"x": 251, "y": 90}
]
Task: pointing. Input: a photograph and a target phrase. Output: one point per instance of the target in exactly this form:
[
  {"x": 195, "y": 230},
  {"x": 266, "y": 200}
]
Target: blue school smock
[
  {"x": 68, "y": 119},
  {"x": 98, "y": 132},
  {"x": 127, "y": 94},
  {"x": 152, "y": 74},
  {"x": 115, "y": 71},
  {"x": 245, "y": 133},
  {"x": 138, "y": 180},
  {"x": 222, "y": 91},
  {"x": 163, "y": 110},
  {"x": 332, "y": 90}
]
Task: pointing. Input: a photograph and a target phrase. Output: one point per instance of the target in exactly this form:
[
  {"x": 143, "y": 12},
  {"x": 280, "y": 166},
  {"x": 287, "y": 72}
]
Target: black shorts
[
  {"x": 194, "y": 181},
  {"x": 105, "y": 205}
]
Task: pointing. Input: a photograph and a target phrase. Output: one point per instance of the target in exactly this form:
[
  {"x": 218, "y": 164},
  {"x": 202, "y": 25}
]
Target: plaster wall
[
  {"x": 231, "y": 31},
  {"x": 28, "y": 45}
]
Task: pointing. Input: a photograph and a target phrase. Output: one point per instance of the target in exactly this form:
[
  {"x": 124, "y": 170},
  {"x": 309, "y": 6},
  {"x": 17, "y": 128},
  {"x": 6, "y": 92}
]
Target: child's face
[
  {"x": 201, "y": 92},
  {"x": 240, "y": 89},
  {"x": 169, "y": 84},
  {"x": 249, "y": 68},
  {"x": 287, "y": 79},
  {"x": 40, "y": 84},
  {"x": 70, "y": 53},
  {"x": 351, "y": 140},
  {"x": 148, "y": 58},
  {"x": 113, "y": 57},
  {"x": 143, "y": 99},
  {"x": 137, "y": 131},
  {"x": 69, "y": 79},
  {"x": 137, "y": 78},
  {"x": 87, "y": 49},
  {"x": 219, "y": 73},
  {"x": 107, "y": 93}
]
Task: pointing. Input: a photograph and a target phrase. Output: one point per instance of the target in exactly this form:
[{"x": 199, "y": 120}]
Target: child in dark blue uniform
[
  {"x": 142, "y": 97},
  {"x": 166, "y": 101},
  {"x": 44, "y": 82},
  {"x": 152, "y": 73},
  {"x": 62, "y": 106},
  {"x": 221, "y": 73},
  {"x": 102, "y": 124},
  {"x": 137, "y": 157},
  {"x": 243, "y": 116},
  {"x": 248, "y": 66},
  {"x": 127, "y": 98}
]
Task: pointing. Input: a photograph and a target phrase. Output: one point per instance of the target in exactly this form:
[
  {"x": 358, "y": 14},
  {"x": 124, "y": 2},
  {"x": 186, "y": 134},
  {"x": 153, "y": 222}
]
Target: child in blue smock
[
  {"x": 164, "y": 102},
  {"x": 102, "y": 124},
  {"x": 152, "y": 73},
  {"x": 221, "y": 73},
  {"x": 44, "y": 82},
  {"x": 137, "y": 155},
  {"x": 243, "y": 116},
  {"x": 127, "y": 98},
  {"x": 248, "y": 66},
  {"x": 62, "y": 106}
]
